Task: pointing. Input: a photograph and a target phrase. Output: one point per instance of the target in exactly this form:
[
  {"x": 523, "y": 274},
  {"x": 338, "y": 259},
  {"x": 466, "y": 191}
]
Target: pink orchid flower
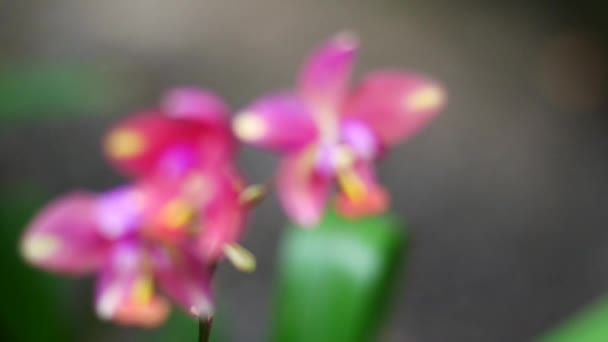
[
  {"x": 168, "y": 229},
  {"x": 327, "y": 132}
]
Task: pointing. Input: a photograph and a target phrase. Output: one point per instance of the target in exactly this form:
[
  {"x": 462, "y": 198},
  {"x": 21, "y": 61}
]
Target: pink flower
[
  {"x": 327, "y": 132},
  {"x": 168, "y": 229},
  {"x": 190, "y": 129}
]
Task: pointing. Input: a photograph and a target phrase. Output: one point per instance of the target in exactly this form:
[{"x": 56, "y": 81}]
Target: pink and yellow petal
[
  {"x": 323, "y": 80},
  {"x": 360, "y": 194},
  {"x": 64, "y": 236},
  {"x": 395, "y": 104},
  {"x": 186, "y": 280},
  {"x": 149, "y": 315},
  {"x": 169, "y": 207},
  {"x": 302, "y": 191},
  {"x": 280, "y": 122},
  {"x": 138, "y": 145},
  {"x": 125, "y": 288},
  {"x": 223, "y": 217}
]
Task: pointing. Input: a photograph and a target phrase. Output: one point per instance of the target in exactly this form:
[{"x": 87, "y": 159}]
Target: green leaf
[
  {"x": 335, "y": 279},
  {"x": 589, "y": 325}
]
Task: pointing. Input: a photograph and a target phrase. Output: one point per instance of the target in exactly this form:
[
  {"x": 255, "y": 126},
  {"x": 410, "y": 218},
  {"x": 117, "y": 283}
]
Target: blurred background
[{"x": 506, "y": 194}]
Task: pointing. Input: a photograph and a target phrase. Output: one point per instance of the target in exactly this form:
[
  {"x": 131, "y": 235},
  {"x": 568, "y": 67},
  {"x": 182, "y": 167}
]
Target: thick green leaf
[
  {"x": 334, "y": 280},
  {"x": 590, "y": 325}
]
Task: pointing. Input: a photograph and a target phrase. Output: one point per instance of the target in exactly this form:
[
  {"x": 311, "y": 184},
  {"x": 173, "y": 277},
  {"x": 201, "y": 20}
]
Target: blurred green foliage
[
  {"x": 33, "y": 91},
  {"x": 590, "y": 325},
  {"x": 36, "y": 312},
  {"x": 335, "y": 279}
]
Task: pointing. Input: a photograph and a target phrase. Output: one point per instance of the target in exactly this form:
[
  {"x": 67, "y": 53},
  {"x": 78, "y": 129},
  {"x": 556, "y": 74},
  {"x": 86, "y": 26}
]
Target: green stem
[{"x": 204, "y": 329}]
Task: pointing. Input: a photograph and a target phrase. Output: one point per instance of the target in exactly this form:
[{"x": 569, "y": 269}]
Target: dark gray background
[{"x": 506, "y": 193}]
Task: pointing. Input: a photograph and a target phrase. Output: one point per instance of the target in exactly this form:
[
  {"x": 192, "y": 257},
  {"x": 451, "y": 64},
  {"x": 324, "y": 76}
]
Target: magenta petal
[
  {"x": 280, "y": 122},
  {"x": 223, "y": 219},
  {"x": 138, "y": 144},
  {"x": 117, "y": 279},
  {"x": 186, "y": 280},
  {"x": 196, "y": 104},
  {"x": 395, "y": 104},
  {"x": 302, "y": 191},
  {"x": 119, "y": 212},
  {"x": 323, "y": 80},
  {"x": 64, "y": 237}
]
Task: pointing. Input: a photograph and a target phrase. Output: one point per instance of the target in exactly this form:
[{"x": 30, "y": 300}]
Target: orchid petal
[
  {"x": 360, "y": 138},
  {"x": 125, "y": 289},
  {"x": 148, "y": 315},
  {"x": 168, "y": 211},
  {"x": 395, "y": 104},
  {"x": 196, "y": 104},
  {"x": 323, "y": 80},
  {"x": 64, "y": 237},
  {"x": 202, "y": 106},
  {"x": 119, "y": 212},
  {"x": 116, "y": 279},
  {"x": 223, "y": 217},
  {"x": 280, "y": 122},
  {"x": 361, "y": 194},
  {"x": 302, "y": 191},
  {"x": 138, "y": 144},
  {"x": 186, "y": 280}
]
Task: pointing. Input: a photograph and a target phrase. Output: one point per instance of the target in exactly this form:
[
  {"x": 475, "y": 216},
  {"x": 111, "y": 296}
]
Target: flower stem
[{"x": 204, "y": 329}]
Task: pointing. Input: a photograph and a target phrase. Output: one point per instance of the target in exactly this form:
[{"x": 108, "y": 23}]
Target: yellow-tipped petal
[
  {"x": 125, "y": 143},
  {"x": 426, "y": 98},
  {"x": 38, "y": 247},
  {"x": 248, "y": 126},
  {"x": 240, "y": 257}
]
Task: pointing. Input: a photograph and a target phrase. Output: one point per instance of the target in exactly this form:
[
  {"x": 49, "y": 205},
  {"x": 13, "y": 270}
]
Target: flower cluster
[
  {"x": 184, "y": 210},
  {"x": 162, "y": 235}
]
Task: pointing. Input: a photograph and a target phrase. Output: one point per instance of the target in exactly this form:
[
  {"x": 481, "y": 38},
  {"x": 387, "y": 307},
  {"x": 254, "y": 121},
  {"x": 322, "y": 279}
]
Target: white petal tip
[
  {"x": 248, "y": 126},
  {"x": 108, "y": 303},
  {"x": 38, "y": 247}
]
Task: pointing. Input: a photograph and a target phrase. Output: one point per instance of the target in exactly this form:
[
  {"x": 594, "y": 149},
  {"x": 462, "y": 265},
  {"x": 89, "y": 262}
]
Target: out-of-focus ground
[{"x": 506, "y": 194}]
